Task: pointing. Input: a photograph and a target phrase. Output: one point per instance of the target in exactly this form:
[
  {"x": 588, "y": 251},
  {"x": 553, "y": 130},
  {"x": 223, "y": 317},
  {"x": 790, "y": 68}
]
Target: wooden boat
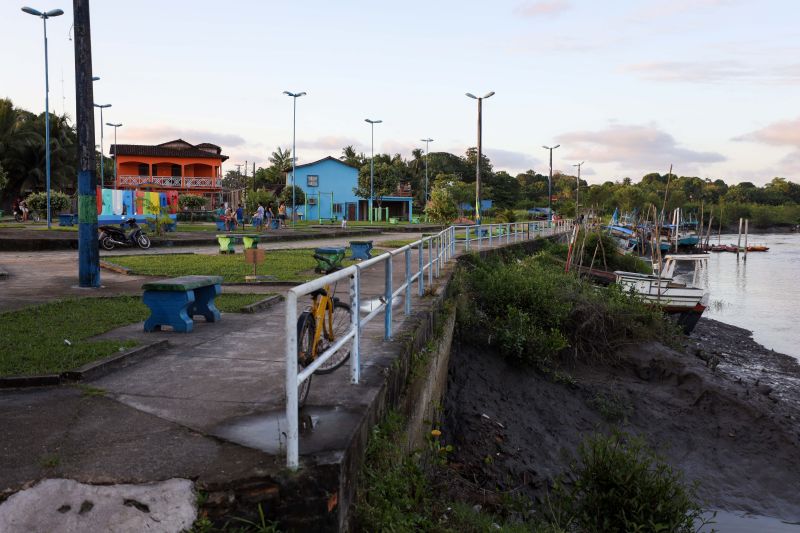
[
  {"x": 757, "y": 248},
  {"x": 684, "y": 302}
]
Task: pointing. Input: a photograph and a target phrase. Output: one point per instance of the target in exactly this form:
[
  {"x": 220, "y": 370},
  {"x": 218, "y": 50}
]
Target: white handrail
[{"x": 446, "y": 243}]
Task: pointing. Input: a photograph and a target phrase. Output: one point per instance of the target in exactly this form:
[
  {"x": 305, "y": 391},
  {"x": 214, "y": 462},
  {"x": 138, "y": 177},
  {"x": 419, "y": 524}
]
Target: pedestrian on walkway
[
  {"x": 270, "y": 214},
  {"x": 282, "y": 214},
  {"x": 258, "y": 217},
  {"x": 344, "y": 221},
  {"x": 240, "y": 216}
]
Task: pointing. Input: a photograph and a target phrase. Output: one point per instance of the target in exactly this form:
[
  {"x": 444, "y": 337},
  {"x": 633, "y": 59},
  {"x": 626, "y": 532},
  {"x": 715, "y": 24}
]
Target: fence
[{"x": 441, "y": 248}]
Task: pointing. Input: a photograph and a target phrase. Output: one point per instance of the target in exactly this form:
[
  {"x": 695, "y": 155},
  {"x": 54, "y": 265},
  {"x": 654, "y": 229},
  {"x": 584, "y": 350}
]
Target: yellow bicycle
[{"x": 319, "y": 327}]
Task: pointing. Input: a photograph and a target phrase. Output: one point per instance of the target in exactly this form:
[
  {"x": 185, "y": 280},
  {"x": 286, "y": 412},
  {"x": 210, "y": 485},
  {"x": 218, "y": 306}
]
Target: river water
[{"x": 761, "y": 294}]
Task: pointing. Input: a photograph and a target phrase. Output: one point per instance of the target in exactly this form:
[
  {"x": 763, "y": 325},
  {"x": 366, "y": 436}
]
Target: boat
[
  {"x": 686, "y": 303},
  {"x": 757, "y": 248}
]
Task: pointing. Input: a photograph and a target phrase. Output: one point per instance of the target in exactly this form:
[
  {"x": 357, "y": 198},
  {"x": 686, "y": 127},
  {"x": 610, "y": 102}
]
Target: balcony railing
[{"x": 166, "y": 181}]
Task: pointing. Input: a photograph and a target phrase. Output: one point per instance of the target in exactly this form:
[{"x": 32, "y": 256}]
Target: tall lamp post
[
  {"x": 426, "y": 141},
  {"x": 102, "y": 177},
  {"x": 550, "y": 183},
  {"x": 578, "y": 187},
  {"x": 372, "y": 165},
  {"x": 115, "y": 126},
  {"x": 44, "y": 16},
  {"x": 478, "y": 164},
  {"x": 294, "y": 96}
]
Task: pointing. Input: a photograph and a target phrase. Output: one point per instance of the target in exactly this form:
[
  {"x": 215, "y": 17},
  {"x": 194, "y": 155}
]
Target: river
[{"x": 760, "y": 294}]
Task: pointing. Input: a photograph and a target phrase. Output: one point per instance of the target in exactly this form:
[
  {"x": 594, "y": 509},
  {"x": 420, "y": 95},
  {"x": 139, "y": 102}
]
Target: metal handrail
[{"x": 446, "y": 244}]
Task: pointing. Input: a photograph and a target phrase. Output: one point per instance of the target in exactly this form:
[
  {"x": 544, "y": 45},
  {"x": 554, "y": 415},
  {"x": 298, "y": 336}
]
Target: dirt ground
[{"x": 726, "y": 412}]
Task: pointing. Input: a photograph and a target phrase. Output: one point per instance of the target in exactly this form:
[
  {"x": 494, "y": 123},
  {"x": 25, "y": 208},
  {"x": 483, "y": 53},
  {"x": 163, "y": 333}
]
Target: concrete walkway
[{"x": 209, "y": 408}]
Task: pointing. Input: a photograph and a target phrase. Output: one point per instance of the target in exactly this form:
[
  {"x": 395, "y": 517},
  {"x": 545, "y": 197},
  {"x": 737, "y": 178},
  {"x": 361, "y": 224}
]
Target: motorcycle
[
  {"x": 32, "y": 215},
  {"x": 111, "y": 236}
]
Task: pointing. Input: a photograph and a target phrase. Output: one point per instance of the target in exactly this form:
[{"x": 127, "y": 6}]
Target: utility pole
[
  {"x": 426, "y": 141},
  {"x": 578, "y": 187},
  {"x": 550, "y": 183},
  {"x": 478, "y": 163},
  {"x": 88, "y": 253}
]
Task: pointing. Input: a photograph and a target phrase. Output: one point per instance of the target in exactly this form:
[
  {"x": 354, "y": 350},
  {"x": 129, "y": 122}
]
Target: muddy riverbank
[{"x": 724, "y": 410}]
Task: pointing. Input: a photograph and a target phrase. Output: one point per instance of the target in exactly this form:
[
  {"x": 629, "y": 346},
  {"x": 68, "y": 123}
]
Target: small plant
[
  {"x": 621, "y": 485},
  {"x": 438, "y": 450},
  {"x": 38, "y": 202},
  {"x": 50, "y": 461},
  {"x": 261, "y": 525},
  {"x": 612, "y": 407},
  {"x": 88, "y": 391}
]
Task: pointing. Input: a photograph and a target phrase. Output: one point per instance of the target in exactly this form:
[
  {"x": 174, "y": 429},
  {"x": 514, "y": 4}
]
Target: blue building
[{"x": 328, "y": 185}]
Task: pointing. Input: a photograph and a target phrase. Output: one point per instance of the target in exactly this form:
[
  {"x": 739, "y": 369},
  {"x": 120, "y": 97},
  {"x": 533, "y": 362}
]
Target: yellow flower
[{"x": 436, "y": 433}]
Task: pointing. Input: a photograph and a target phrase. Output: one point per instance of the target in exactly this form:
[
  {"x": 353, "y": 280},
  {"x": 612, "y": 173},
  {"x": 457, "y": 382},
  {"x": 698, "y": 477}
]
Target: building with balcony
[
  {"x": 328, "y": 186},
  {"x": 171, "y": 166}
]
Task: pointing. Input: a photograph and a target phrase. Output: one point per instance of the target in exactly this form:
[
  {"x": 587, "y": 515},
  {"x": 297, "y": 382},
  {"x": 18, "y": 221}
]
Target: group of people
[{"x": 261, "y": 218}]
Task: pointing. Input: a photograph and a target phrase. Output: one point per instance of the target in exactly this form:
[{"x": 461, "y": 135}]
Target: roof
[
  {"x": 325, "y": 159},
  {"x": 176, "y": 148}
]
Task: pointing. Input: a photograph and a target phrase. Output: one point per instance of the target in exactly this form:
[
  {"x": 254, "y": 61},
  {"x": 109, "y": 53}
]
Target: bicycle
[{"x": 319, "y": 327}]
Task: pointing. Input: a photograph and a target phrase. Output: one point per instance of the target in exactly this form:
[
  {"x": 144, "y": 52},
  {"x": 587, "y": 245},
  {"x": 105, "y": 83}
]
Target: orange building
[{"x": 174, "y": 165}]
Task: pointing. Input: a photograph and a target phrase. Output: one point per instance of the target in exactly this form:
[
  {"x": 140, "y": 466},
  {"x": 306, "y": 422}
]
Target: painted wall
[{"x": 334, "y": 177}]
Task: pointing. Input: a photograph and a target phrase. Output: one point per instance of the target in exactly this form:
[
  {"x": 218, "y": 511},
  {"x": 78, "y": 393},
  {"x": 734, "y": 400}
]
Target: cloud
[
  {"x": 542, "y": 8},
  {"x": 632, "y": 147},
  {"x": 332, "y": 143},
  {"x": 671, "y": 8},
  {"x": 161, "y": 134},
  {"x": 782, "y": 133},
  {"x": 512, "y": 161},
  {"x": 714, "y": 72}
]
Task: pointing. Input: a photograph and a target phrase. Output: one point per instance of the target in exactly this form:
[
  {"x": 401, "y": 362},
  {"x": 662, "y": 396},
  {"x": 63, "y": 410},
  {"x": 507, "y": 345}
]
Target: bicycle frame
[{"x": 322, "y": 304}]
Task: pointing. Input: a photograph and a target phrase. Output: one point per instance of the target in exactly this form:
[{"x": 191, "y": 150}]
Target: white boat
[{"x": 687, "y": 302}]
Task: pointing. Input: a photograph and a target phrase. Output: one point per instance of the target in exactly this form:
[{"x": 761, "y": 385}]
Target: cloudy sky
[{"x": 710, "y": 86}]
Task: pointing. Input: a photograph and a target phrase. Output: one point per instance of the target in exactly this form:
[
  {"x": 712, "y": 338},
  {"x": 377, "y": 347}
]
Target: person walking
[
  {"x": 282, "y": 214},
  {"x": 258, "y": 217},
  {"x": 270, "y": 214}
]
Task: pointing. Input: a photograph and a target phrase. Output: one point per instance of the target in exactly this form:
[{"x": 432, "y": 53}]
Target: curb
[
  {"x": 113, "y": 267},
  {"x": 91, "y": 370},
  {"x": 263, "y": 305}
]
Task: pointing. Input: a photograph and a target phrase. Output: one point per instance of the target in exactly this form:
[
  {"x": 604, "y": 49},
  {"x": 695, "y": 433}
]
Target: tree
[
  {"x": 299, "y": 195},
  {"x": 388, "y": 173},
  {"x": 352, "y": 158},
  {"x": 234, "y": 180},
  {"x": 3, "y": 178},
  {"x": 442, "y": 207},
  {"x": 38, "y": 202},
  {"x": 264, "y": 197},
  {"x": 192, "y": 202}
]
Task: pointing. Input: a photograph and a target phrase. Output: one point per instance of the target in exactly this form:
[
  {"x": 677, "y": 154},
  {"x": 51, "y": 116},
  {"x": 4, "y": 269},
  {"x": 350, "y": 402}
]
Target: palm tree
[
  {"x": 281, "y": 159},
  {"x": 352, "y": 158}
]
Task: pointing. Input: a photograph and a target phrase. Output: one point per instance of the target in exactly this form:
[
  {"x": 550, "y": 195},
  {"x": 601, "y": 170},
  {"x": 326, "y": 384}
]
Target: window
[
  {"x": 144, "y": 169},
  {"x": 176, "y": 171},
  {"x": 312, "y": 180},
  {"x": 337, "y": 209}
]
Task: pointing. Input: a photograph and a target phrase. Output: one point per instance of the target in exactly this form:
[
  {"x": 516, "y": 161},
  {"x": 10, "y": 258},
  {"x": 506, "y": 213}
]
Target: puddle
[
  {"x": 741, "y": 522},
  {"x": 367, "y": 306},
  {"x": 321, "y": 428}
]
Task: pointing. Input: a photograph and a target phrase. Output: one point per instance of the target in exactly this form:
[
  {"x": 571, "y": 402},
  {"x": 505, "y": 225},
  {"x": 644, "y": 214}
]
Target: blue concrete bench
[
  {"x": 173, "y": 302},
  {"x": 360, "y": 249},
  {"x": 67, "y": 219},
  {"x": 481, "y": 232}
]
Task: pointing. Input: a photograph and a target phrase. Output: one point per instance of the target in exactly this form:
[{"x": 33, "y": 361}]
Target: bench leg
[
  {"x": 204, "y": 303},
  {"x": 168, "y": 308}
]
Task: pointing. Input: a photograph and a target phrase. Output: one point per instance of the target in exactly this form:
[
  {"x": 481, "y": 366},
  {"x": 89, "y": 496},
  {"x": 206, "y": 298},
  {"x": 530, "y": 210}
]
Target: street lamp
[
  {"x": 44, "y": 16},
  {"x": 372, "y": 164},
  {"x": 550, "y": 183},
  {"x": 115, "y": 126},
  {"x": 294, "y": 96},
  {"x": 102, "y": 178},
  {"x": 426, "y": 141},
  {"x": 478, "y": 164},
  {"x": 578, "y": 187}
]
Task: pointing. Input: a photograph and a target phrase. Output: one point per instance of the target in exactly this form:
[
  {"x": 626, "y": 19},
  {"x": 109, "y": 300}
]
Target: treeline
[{"x": 22, "y": 170}]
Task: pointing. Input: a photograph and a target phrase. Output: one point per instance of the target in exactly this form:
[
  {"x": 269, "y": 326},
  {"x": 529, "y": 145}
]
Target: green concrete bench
[
  {"x": 173, "y": 302},
  {"x": 227, "y": 240}
]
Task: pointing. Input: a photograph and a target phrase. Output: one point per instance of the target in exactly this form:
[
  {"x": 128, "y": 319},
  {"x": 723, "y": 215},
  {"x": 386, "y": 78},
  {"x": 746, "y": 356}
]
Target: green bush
[
  {"x": 263, "y": 196},
  {"x": 38, "y": 202},
  {"x": 531, "y": 311},
  {"x": 619, "y": 485},
  {"x": 192, "y": 202}
]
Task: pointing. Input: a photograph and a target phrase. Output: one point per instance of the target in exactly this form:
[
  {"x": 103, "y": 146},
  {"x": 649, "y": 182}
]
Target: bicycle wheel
[
  {"x": 305, "y": 341},
  {"x": 342, "y": 321}
]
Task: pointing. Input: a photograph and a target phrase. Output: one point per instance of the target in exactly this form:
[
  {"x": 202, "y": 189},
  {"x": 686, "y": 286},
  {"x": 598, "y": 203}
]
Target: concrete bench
[
  {"x": 227, "y": 241},
  {"x": 360, "y": 249},
  {"x": 173, "y": 302},
  {"x": 67, "y": 219}
]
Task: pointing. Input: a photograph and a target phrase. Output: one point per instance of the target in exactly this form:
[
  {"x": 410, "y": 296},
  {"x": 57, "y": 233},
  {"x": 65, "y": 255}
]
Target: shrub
[
  {"x": 192, "y": 202},
  {"x": 620, "y": 485},
  {"x": 263, "y": 196},
  {"x": 38, "y": 202}
]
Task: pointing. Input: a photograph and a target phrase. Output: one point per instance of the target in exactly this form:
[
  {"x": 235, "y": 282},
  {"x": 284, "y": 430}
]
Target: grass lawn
[
  {"x": 397, "y": 243},
  {"x": 285, "y": 265},
  {"x": 34, "y": 338},
  {"x": 38, "y": 226}
]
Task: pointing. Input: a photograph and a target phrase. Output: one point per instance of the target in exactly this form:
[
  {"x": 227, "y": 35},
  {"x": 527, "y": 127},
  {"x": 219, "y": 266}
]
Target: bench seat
[{"x": 174, "y": 302}]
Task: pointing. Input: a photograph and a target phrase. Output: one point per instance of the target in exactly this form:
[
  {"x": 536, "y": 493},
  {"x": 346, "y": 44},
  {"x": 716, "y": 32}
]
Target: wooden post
[
  {"x": 739, "y": 239},
  {"x": 746, "y": 222}
]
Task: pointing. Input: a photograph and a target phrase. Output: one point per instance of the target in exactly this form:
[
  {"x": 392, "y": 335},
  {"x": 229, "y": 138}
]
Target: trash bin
[{"x": 333, "y": 256}]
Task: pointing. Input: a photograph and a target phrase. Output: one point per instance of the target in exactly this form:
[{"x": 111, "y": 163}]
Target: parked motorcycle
[
  {"x": 32, "y": 215},
  {"x": 112, "y": 236}
]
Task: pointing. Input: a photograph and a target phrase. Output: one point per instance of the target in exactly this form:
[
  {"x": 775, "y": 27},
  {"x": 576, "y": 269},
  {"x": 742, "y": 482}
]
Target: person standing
[
  {"x": 240, "y": 216},
  {"x": 258, "y": 217},
  {"x": 282, "y": 214},
  {"x": 270, "y": 214}
]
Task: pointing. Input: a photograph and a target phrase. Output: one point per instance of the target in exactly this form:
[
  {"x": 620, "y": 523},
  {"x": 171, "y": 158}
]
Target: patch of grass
[
  {"x": 399, "y": 243},
  {"x": 612, "y": 407},
  {"x": 50, "y": 461},
  {"x": 285, "y": 265},
  {"x": 90, "y": 392},
  {"x": 619, "y": 484},
  {"x": 55, "y": 337}
]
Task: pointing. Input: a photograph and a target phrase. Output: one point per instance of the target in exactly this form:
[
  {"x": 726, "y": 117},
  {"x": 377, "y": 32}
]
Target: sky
[{"x": 629, "y": 87}]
